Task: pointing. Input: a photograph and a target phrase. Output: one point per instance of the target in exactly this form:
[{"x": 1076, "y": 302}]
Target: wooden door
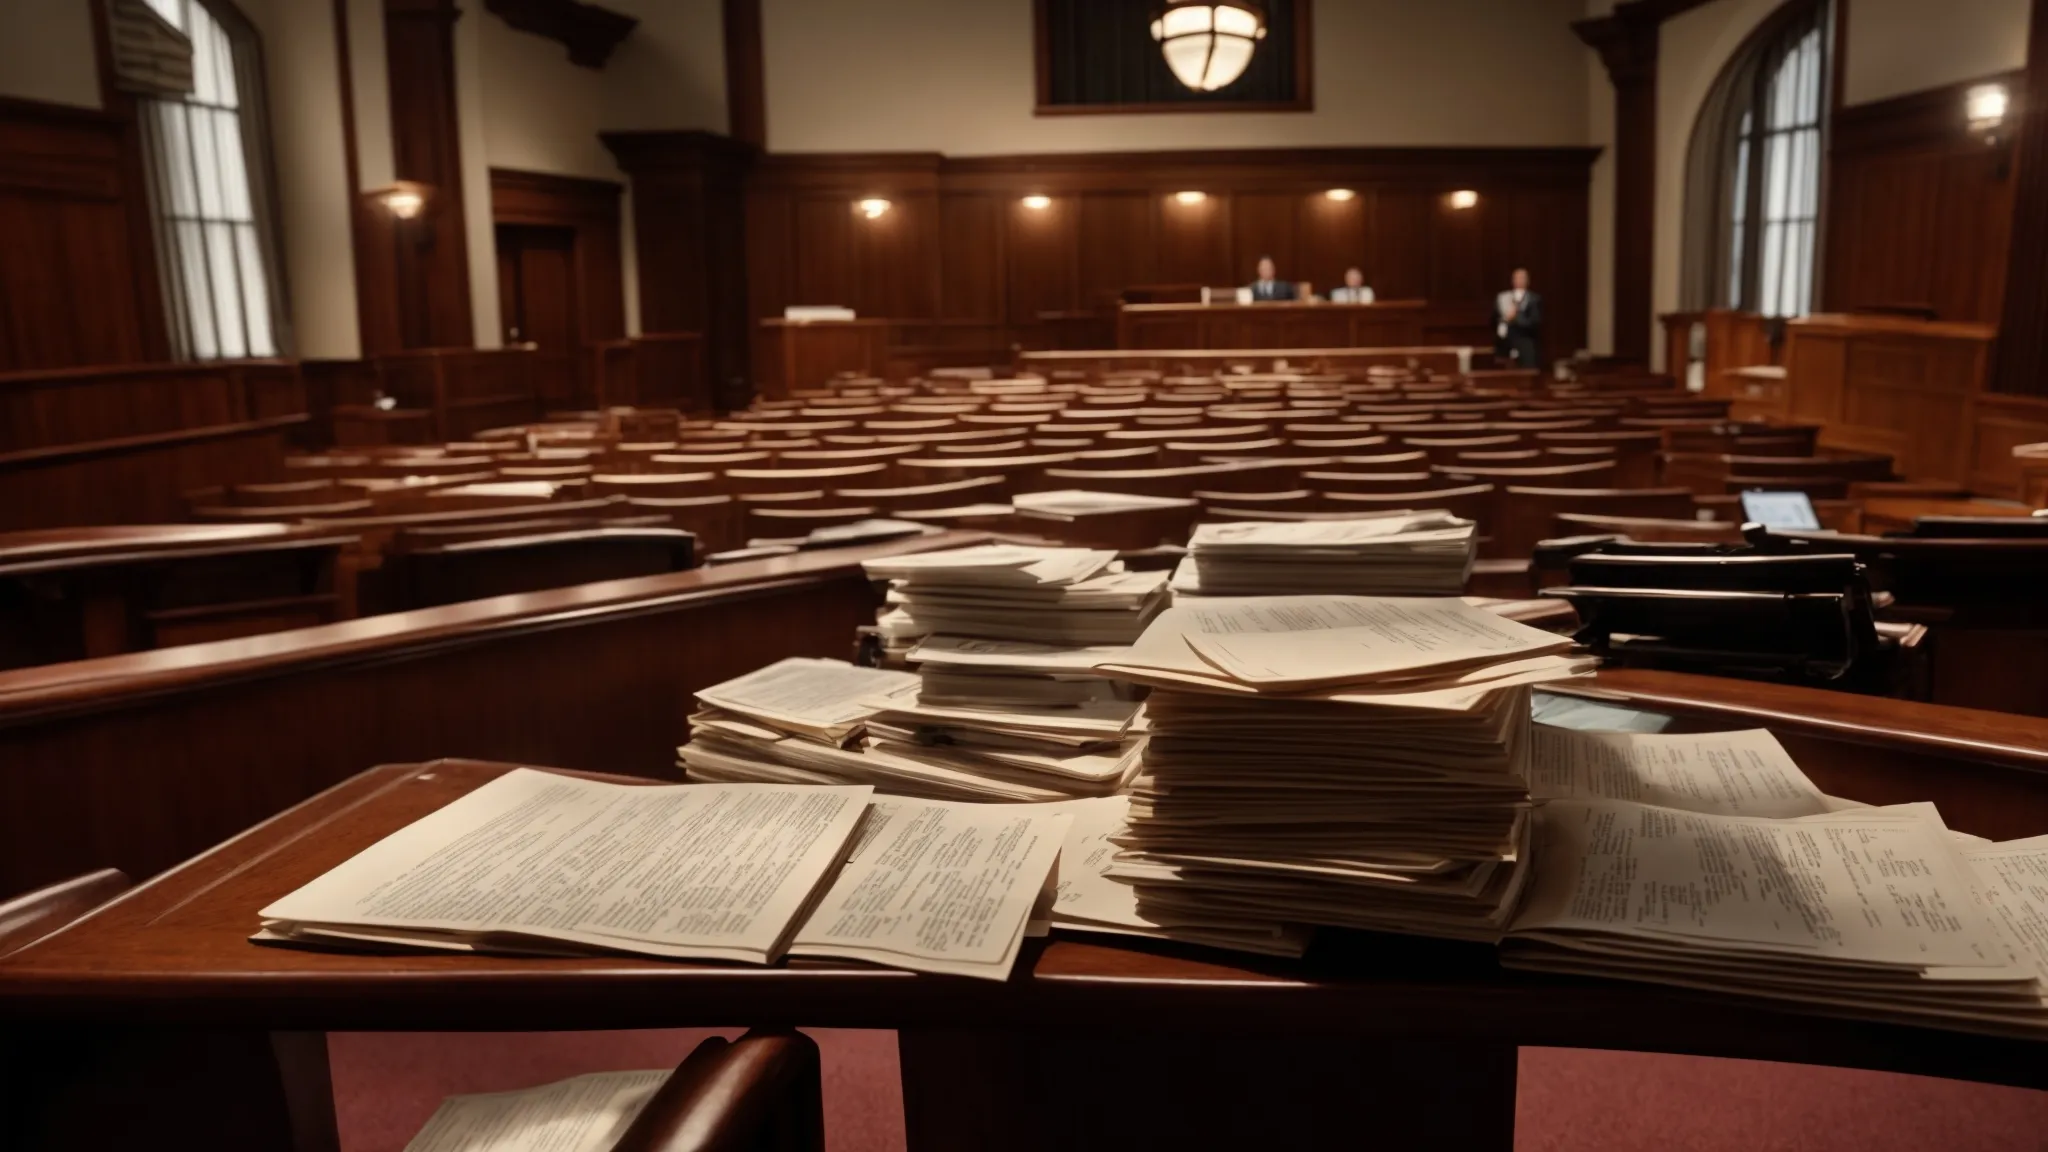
[{"x": 537, "y": 305}]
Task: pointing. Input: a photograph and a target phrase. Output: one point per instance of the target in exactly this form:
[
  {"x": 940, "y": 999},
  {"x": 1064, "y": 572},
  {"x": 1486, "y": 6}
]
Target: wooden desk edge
[{"x": 1103, "y": 979}]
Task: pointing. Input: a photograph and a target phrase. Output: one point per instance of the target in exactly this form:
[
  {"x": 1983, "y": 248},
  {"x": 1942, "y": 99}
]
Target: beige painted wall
[
  {"x": 670, "y": 73},
  {"x": 955, "y": 76},
  {"x": 1901, "y": 46},
  {"x": 1600, "y": 198},
  {"x": 46, "y": 52},
  {"x": 1691, "y": 53},
  {"x": 302, "y": 68}
]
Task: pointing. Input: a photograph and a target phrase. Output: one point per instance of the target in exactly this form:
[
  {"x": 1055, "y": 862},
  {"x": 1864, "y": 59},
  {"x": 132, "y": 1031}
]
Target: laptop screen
[{"x": 1779, "y": 510}]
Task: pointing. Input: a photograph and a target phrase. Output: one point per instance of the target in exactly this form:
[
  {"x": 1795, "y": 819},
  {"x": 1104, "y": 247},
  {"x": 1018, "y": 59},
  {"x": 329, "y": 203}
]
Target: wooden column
[
  {"x": 2021, "y": 360},
  {"x": 690, "y": 235},
  {"x": 745, "y": 92},
  {"x": 431, "y": 252},
  {"x": 1627, "y": 43}
]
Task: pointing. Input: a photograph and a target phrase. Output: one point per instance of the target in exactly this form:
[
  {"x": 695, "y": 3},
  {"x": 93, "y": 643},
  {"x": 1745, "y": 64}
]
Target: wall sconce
[
  {"x": 873, "y": 208},
  {"x": 405, "y": 200},
  {"x": 1190, "y": 197},
  {"x": 1341, "y": 194},
  {"x": 1985, "y": 105},
  {"x": 1464, "y": 198},
  {"x": 1037, "y": 203}
]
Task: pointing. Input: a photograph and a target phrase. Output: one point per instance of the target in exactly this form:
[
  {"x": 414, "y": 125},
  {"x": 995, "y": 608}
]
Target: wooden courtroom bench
[
  {"x": 76, "y": 593},
  {"x": 1363, "y": 1025},
  {"x": 141, "y": 760}
]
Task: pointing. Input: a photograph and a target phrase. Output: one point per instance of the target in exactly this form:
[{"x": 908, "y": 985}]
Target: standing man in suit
[
  {"x": 1354, "y": 291},
  {"x": 1269, "y": 286},
  {"x": 1518, "y": 323}
]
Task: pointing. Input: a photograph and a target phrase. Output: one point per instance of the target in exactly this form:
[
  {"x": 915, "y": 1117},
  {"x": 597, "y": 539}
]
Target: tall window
[
  {"x": 209, "y": 184},
  {"x": 1753, "y": 173},
  {"x": 1787, "y": 191}
]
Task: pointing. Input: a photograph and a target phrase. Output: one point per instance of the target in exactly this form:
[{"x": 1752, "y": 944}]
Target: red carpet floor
[{"x": 386, "y": 1085}]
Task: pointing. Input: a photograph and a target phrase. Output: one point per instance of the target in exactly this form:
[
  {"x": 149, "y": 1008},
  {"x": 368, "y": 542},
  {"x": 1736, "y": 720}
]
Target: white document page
[
  {"x": 938, "y": 887},
  {"x": 1884, "y": 889},
  {"x": 1285, "y": 535},
  {"x": 1015, "y": 655},
  {"x": 1732, "y": 773},
  {"x": 2012, "y": 878},
  {"x": 1307, "y": 640},
  {"x": 580, "y": 1114},
  {"x": 810, "y": 692},
  {"x": 1085, "y": 893},
  {"x": 716, "y": 871}
]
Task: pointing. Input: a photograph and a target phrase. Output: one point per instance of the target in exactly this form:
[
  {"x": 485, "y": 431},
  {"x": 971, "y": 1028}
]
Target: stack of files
[
  {"x": 1090, "y": 900},
  {"x": 815, "y": 721},
  {"x": 1335, "y": 760},
  {"x": 1066, "y": 596},
  {"x": 536, "y": 863},
  {"x": 1394, "y": 554},
  {"x": 1842, "y": 909}
]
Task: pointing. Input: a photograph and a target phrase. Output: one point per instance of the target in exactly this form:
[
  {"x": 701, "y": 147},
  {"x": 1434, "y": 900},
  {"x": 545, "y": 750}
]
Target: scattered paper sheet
[
  {"x": 580, "y": 1114},
  {"x": 1732, "y": 773},
  {"x": 938, "y": 887}
]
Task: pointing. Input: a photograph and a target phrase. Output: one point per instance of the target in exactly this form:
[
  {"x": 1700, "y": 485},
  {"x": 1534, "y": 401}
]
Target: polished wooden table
[
  {"x": 1091, "y": 1044},
  {"x": 1384, "y": 324}
]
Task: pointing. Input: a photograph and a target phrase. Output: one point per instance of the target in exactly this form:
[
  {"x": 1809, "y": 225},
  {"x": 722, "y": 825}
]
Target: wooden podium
[
  {"x": 796, "y": 354},
  {"x": 1386, "y": 324}
]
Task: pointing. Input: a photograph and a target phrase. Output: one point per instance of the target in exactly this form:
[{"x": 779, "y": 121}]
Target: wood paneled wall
[
  {"x": 121, "y": 445},
  {"x": 690, "y": 233},
  {"x": 1919, "y": 211},
  {"x": 960, "y": 261},
  {"x": 72, "y": 291}
]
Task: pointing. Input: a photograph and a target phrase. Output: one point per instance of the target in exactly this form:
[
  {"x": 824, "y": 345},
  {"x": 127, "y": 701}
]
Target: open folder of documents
[{"x": 546, "y": 864}]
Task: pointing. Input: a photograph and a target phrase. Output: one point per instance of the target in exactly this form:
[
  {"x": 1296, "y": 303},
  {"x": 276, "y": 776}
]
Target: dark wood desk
[
  {"x": 1443, "y": 360},
  {"x": 1385, "y": 324},
  {"x": 795, "y": 354},
  {"x": 1090, "y": 1044}
]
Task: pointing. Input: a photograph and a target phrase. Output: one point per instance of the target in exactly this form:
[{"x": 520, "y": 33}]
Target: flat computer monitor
[{"x": 1780, "y": 510}]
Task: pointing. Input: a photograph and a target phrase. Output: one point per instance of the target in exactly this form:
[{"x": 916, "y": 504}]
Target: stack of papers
[
  {"x": 1066, "y": 596},
  {"x": 1335, "y": 760},
  {"x": 815, "y": 721},
  {"x": 1396, "y": 554},
  {"x": 1873, "y": 912},
  {"x": 539, "y": 863},
  {"x": 1090, "y": 900},
  {"x": 1710, "y": 861}
]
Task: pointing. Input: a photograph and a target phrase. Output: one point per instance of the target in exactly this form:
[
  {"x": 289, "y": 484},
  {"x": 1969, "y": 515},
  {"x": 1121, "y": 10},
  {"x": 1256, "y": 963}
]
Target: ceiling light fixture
[
  {"x": 1464, "y": 198},
  {"x": 1038, "y": 203},
  {"x": 873, "y": 208},
  {"x": 1341, "y": 194},
  {"x": 1208, "y": 45},
  {"x": 1191, "y": 197}
]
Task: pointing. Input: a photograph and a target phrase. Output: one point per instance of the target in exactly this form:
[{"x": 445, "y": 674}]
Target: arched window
[
  {"x": 1752, "y": 196},
  {"x": 208, "y": 154}
]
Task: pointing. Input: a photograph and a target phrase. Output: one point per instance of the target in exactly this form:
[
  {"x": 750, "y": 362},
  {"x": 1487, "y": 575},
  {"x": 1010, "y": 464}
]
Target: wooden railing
[
  {"x": 142, "y": 760},
  {"x": 652, "y": 370},
  {"x": 117, "y": 444}
]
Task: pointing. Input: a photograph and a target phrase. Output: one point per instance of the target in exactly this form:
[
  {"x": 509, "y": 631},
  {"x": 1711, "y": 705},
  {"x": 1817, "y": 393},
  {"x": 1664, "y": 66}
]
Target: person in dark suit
[
  {"x": 1269, "y": 286},
  {"x": 1518, "y": 323}
]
